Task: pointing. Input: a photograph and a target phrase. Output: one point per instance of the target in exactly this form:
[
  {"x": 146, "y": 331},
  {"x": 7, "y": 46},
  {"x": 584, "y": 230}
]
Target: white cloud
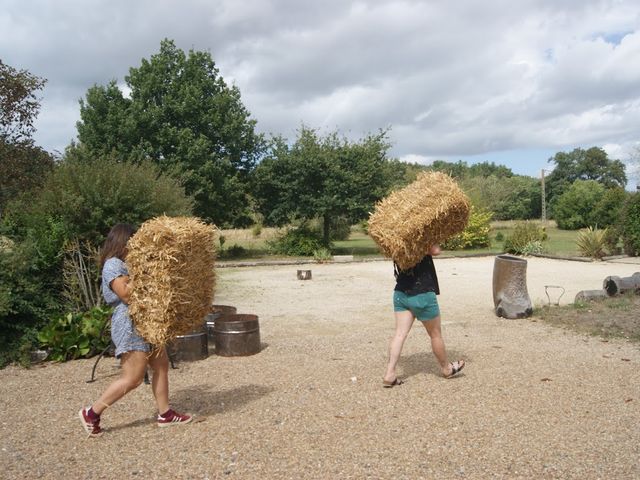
[{"x": 452, "y": 79}]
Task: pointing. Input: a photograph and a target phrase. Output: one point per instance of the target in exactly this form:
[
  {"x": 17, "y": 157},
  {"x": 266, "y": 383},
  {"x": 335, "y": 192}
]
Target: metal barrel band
[
  {"x": 237, "y": 331},
  {"x": 190, "y": 335}
]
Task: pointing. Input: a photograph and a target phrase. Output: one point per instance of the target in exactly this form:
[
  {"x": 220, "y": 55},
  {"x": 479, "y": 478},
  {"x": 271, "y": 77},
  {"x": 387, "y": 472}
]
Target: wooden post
[{"x": 544, "y": 200}]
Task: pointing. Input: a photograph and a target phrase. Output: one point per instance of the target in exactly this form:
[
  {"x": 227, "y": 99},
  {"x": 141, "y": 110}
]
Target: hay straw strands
[
  {"x": 428, "y": 211},
  {"x": 171, "y": 263}
]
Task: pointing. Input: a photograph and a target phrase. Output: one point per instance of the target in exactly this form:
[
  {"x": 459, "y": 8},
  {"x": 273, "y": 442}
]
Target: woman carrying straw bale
[
  {"x": 134, "y": 352},
  {"x": 414, "y": 297}
]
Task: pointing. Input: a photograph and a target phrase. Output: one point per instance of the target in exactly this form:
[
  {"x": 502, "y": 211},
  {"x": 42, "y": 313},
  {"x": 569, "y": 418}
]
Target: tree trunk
[
  {"x": 326, "y": 229},
  {"x": 618, "y": 285},
  {"x": 510, "y": 295},
  {"x": 590, "y": 295}
]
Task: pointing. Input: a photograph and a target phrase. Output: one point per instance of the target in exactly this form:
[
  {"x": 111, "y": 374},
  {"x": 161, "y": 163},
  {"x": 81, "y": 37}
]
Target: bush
[
  {"x": 592, "y": 242},
  {"x": 608, "y": 210},
  {"x": 322, "y": 255},
  {"x": 475, "y": 235},
  {"x": 90, "y": 196},
  {"x": 80, "y": 200},
  {"x": 612, "y": 240},
  {"x": 535, "y": 247},
  {"x": 300, "y": 241},
  {"x": 631, "y": 226},
  {"x": 574, "y": 208},
  {"x": 234, "y": 251},
  {"x": 74, "y": 336},
  {"x": 527, "y": 238},
  {"x": 499, "y": 237},
  {"x": 30, "y": 284}
]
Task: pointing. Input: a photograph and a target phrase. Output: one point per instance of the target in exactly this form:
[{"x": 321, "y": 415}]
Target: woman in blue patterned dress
[{"x": 134, "y": 352}]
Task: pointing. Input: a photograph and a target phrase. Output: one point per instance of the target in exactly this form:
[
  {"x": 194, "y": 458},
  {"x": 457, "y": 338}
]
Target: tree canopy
[
  {"x": 19, "y": 105},
  {"x": 183, "y": 116},
  {"x": 23, "y": 165},
  {"x": 461, "y": 169},
  {"x": 323, "y": 177},
  {"x": 591, "y": 164},
  {"x": 509, "y": 198},
  {"x": 574, "y": 208}
]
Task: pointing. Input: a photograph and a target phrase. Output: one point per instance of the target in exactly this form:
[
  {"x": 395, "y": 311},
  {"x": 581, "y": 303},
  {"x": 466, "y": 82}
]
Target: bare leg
[
  {"x": 159, "y": 362},
  {"x": 134, "y": 364},
  {"x": 437, "y": 345},
  {"x": 404, "y": 320}
]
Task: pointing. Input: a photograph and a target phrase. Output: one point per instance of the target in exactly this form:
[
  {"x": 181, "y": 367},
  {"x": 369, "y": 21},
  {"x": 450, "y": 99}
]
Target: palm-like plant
[{"x": 592, "y": 242}]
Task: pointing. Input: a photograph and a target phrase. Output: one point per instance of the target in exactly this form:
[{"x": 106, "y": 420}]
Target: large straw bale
[
  {"x": 171, "y": 265},
  {"x": 428, "y": 211}
]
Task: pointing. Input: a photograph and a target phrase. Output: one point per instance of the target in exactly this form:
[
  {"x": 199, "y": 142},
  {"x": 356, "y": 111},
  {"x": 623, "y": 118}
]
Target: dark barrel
[
  {"x": 216, "y": 312},
  {"x": 237, "y": 335},
  {"x": 190, "y": 347}
]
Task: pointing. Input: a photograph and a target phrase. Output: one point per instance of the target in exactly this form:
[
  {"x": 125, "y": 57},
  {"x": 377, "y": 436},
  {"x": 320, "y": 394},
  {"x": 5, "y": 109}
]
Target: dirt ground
[{"x": 534, "y": 401}]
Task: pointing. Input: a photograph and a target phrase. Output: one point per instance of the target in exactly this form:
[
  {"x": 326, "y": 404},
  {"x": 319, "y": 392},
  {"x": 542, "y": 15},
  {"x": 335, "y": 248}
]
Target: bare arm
[{"x": 122, "y": 288}]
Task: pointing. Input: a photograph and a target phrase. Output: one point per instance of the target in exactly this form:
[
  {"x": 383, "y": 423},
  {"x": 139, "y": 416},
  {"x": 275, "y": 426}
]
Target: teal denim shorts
[{"x": 424, "y": 306}]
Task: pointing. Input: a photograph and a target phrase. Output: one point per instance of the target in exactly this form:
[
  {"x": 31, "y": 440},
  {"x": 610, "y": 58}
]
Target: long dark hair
[{"x": 116, "y": 243}]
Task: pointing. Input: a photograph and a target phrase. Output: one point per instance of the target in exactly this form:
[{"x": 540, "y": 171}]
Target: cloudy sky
[{"x": 511, "y": 82}]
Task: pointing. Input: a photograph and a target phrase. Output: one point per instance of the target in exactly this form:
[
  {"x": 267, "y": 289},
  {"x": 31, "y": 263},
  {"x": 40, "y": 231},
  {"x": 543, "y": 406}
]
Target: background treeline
[{"x": 182, "y": 143}]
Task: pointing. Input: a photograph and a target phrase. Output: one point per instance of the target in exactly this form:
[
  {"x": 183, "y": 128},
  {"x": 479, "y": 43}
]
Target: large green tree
[
  {"x": 19, "y": 104},
  {"x": 322, "y": 177},
  {"x": 508, "y": 197},
  {"x": 23, "y": 165},
  {"x": 579, "y": 164},
  {"x": 183, "y": 116}
]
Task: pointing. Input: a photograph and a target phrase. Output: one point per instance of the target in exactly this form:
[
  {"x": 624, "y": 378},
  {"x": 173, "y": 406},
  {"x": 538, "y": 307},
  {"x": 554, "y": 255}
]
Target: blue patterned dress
[{"x": 123, "y": 333}]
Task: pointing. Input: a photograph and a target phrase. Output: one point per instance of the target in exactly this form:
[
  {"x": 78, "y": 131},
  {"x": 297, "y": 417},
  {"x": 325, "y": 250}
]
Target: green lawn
[{"x": 559, "y": 242}]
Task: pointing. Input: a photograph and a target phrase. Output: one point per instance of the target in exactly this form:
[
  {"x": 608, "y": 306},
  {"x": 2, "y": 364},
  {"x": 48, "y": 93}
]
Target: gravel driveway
[{"x": 532, "y": 402}]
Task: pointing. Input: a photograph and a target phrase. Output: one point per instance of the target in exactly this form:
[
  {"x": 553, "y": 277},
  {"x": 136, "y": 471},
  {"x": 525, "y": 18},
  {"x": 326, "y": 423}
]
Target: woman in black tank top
[{"x": 414, "y": 297}]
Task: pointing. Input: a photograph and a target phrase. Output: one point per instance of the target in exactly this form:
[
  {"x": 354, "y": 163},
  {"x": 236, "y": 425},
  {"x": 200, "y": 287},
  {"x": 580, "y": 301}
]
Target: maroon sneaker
[
  {"x": 172, "y": 417},
  {"x": 92, "y": 426}
]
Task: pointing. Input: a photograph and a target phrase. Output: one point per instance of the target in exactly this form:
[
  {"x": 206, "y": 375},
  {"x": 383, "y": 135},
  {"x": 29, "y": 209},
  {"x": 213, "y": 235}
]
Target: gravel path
[{"x": 533, "y": 401}]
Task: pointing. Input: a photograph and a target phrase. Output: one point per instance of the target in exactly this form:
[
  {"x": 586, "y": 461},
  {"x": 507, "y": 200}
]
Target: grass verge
[{"x": 614, "y": 317}]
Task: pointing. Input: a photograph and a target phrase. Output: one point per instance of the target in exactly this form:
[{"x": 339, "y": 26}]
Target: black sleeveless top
[{"x": 421, "y": 278}]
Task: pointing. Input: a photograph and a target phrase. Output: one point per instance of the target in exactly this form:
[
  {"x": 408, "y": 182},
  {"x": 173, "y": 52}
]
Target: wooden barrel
[
  {"x": 190, "y": 347},
  {"x": 216, "y": 312},
  {"x": 237, "y": 335}
]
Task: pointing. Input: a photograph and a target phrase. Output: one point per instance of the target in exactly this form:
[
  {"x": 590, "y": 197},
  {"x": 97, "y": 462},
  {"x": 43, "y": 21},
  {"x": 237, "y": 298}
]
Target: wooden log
[
  {"x": 614, "y": 285},
  {"x": 304, "y": 274},
  {"x": 590, "y": 296}
]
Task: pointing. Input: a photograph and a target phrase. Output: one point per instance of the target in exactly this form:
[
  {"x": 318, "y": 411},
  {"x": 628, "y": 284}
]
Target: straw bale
[
  {"x": 428, "y": 211},
  {"x": 171, "y": 266}
]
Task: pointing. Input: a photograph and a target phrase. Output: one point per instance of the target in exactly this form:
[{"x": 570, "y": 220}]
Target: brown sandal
[{"x": 395, "y": 382}]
